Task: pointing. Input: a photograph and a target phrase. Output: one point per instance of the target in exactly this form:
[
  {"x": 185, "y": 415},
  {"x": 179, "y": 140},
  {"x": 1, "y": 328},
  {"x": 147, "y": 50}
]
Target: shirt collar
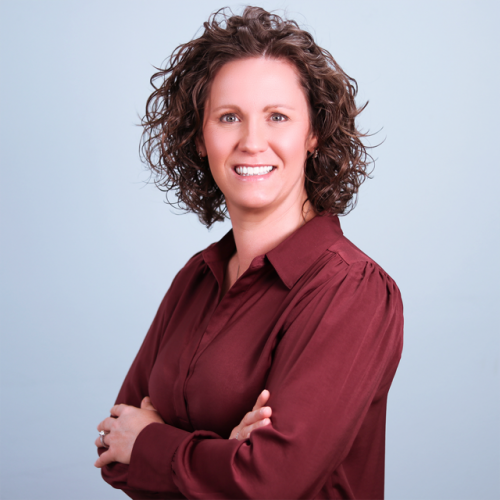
[
  {"x": 291, "y": 258},
  {"x": 294, "y": 255}
]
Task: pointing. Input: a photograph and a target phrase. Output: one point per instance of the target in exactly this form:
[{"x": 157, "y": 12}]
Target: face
[{"x": 257, "y": 135}]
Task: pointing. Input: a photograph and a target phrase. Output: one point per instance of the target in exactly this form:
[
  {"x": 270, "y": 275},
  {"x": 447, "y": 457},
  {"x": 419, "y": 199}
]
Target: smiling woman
[
  {"x": 255, "y": 120},
  {"x": 257, "y": 135},
  {"x": 256, "y": 152}
]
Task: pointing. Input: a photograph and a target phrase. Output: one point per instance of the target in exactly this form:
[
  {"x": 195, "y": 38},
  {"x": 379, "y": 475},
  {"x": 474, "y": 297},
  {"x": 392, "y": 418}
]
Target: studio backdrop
[{"x": 89, "y": 248}]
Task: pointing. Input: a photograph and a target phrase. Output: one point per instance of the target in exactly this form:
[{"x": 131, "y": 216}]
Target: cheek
[
  {"x": 218, "y": 150},
  {"x": 292, "y": 146},
  {"x": 218, "y": 143}
]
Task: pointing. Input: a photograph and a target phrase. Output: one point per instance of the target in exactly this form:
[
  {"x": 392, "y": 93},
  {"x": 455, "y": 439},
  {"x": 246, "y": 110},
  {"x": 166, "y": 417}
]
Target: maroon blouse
[{"x": 317, "y": 323}]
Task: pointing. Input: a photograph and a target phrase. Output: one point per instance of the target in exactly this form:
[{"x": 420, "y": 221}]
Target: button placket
[
  {"x": 185, "y": 361},
  {"x": 220, "y": 317}
]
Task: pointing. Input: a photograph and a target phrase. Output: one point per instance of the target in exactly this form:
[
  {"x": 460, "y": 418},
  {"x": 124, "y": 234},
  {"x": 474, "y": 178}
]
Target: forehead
[{"x": 257, "y": 80}]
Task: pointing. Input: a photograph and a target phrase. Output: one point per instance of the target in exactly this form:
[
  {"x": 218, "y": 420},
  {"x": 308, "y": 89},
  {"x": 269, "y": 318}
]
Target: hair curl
[{"x": 174, "y": 113}]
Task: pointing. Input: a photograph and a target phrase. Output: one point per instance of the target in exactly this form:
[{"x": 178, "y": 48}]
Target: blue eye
[{"x": 229, "y": 118}]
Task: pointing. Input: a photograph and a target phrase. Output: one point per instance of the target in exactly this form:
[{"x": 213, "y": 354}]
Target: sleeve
[
  {"x": 333, "y": 359},
  {"x": 135, "y": 388}
]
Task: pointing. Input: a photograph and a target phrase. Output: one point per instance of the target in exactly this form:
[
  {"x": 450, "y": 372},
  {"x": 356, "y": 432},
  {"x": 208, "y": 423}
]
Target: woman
[{"x": 254, "y": 118}]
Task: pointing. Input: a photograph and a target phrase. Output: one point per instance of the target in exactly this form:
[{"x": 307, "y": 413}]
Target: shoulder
[
  {"x": 194, "y": 267},
  {"x": 351, "y": 296},
  {"x": 201, "y": 263},
  {"x": 345, "y": 276},
  {"x": 350, "y": 253},
  {"x": 356, "y": 263},
  {"x": 364, "y": 290}
]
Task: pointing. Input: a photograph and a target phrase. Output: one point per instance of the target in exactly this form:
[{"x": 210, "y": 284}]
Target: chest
[{"x": 214, "y": 358}]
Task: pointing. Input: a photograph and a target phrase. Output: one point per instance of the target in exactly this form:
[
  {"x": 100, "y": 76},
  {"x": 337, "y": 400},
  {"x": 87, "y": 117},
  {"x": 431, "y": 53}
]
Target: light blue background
[{"x": 88, "y": 250}]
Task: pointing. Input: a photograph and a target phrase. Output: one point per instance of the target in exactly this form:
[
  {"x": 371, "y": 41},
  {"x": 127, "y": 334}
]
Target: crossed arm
[
  {"x": 334, "y": 363},
  {"x": 126, "y": 423}
]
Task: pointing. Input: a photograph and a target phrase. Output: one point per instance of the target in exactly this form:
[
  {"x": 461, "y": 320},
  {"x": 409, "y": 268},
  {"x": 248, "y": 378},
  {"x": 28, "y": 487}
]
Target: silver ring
[{"x": 101, "y": 436}]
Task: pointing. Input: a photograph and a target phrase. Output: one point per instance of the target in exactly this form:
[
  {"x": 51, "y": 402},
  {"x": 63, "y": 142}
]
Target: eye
[
  {"x": 278, "y": 117},
  {"x": 229, "y": 118}
]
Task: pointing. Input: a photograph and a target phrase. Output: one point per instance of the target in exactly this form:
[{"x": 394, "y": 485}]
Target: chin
[{"x": 252, "y": 205}]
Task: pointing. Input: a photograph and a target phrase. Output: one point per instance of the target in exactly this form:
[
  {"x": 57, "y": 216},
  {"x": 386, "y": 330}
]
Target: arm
[
  {"x": 132, "y": 404},
  {"x": 127, "y": 422},
  {"x": 333, "y": 361},
  {"x": 135, "y": 386}
]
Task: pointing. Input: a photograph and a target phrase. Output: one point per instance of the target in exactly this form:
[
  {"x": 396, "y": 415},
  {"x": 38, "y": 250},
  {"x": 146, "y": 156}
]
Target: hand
[
  {"x": 258, "y": 417},
  {"x": 123, "y": 430}
]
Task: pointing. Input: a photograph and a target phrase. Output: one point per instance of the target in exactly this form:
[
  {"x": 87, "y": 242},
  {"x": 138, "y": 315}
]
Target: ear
[
  {"x": 312, "y": 144},
  {"x": 200, "y": 146}
]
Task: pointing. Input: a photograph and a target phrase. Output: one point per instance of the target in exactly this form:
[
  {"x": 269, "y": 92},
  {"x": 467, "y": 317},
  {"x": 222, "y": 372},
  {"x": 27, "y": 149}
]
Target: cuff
[{"x": 150, "y": 467}]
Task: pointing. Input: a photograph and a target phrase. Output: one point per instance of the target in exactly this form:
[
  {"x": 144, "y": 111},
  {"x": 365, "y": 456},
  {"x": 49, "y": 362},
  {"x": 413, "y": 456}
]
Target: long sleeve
[
  {"x": 135, "y": 388},
  {"x": 333, "y": 363}
]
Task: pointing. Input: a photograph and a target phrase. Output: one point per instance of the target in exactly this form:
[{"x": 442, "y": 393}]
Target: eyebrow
[{"x": 269, "y": 106}]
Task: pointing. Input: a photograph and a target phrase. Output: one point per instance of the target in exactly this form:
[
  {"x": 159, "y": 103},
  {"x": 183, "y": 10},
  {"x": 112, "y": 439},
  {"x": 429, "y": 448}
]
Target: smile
[{"x": 248, "y": 171}]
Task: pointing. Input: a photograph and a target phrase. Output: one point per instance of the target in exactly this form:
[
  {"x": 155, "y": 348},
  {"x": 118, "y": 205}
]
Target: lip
[{"x": 250, "y": 178}]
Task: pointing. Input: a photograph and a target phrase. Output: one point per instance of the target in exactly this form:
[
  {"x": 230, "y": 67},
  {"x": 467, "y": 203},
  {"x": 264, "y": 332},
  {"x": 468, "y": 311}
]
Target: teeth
[{"x": 245, "y": 171}]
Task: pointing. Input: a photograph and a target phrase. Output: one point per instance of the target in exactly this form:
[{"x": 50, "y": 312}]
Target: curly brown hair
[{"x": 174, "y": 113}]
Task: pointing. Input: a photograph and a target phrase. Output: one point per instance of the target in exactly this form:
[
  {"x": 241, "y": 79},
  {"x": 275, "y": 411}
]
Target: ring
[{"x": 101, "y": 436}]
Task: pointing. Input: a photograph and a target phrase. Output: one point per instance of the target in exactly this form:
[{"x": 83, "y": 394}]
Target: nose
[{"x": 253, "y": 138}]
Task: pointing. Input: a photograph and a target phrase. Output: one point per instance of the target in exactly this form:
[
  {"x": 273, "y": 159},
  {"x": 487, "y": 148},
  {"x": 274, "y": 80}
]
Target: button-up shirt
[{"x": 317, "y": 323}]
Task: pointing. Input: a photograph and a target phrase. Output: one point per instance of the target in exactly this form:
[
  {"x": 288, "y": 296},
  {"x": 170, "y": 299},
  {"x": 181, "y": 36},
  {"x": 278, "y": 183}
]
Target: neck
[{"x": 256, "y": 233}]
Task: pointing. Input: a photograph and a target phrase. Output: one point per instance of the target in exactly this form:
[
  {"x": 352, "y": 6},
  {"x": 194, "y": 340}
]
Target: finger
[
  {"x": 105, "y": 459},
  {"x": 265, "y": 412},
  {"x": 117, "y": 410},
  {"x": 246, "y": 431},
  {"x": 147, "y": 405},
  {"x": 106, "y": 425},
  {"x": 100, "y": 427},
  {"x": 98, "y": 442},
  {"x": 262, "y": 399},
  {"x": 105, "y": 438},
  {"x": 261, "y": 423},
  {"x": 254, "y": 416}
]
